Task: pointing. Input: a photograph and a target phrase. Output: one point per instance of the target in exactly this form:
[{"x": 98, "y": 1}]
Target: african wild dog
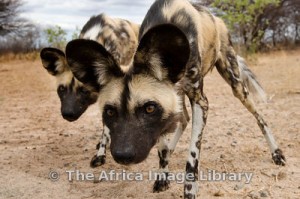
[
  {"x": 179, "y": 44},
  {"x": 119, "y": 37}
]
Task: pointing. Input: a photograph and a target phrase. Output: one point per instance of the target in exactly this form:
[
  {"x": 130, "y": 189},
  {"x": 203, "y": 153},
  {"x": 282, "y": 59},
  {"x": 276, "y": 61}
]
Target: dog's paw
[
  {"x": 278, "y": 157},
  {"x": 161, "y": 185},
  {"x": 97, "y": 161}
]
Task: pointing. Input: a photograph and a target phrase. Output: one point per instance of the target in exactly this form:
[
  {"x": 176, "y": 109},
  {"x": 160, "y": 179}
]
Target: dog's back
[{"x": 118, "y": 36}]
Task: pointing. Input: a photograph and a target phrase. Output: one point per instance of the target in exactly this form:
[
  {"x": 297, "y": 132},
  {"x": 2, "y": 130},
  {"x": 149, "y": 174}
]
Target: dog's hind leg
[
  {"x": 99, "y": 158},
  {"x": 234, "y": 70}
]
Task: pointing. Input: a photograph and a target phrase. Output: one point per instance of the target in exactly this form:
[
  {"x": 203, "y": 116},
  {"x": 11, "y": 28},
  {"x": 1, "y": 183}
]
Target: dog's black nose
[
  {"x": 123, "y": 157},
  {"x": 70, "y": 116}
]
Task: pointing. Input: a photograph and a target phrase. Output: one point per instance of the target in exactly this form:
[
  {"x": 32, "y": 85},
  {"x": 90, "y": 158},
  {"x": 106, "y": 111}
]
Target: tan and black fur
[
  {"x": 179, "y": 43},
  {"x": 119, "y": 37}
]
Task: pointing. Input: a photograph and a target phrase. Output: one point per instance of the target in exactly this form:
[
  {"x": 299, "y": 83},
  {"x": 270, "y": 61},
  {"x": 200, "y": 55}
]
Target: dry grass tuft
[{"x": 30, "y": 56}]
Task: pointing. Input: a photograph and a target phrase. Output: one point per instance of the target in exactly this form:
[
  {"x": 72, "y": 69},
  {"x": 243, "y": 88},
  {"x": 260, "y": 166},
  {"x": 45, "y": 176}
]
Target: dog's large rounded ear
[
  {"x": 91, "y": 63},
  {"x": 53, "y": 60},
  {"x": 163, "y": 52}
]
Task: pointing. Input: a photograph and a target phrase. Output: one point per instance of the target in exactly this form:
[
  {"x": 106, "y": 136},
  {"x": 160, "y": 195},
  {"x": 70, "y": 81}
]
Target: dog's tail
[{"x": 250, "y": 81}]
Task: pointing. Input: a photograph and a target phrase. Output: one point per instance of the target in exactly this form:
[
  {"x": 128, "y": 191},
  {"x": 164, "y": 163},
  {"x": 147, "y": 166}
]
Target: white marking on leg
[
  {"x": 191, "y": 187},
  {"x": 102, "y": 148},
  {"x": 267, "y": 133},
  {"x": 197, "y": 126},
  {"x": 103, "y": 142},
  {"x": 163, "y": 145},
  {"x": 162, "y": 182},
  {"x": 106, "y": 132},
  {"x": 175, "y": 139},
  {"x": 270, "y": 139},
  {"x": 194, "y": 188}
]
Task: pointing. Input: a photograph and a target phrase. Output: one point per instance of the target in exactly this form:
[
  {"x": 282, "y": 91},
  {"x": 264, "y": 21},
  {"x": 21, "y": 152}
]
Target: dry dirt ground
[{"x": 36, "y": 140}]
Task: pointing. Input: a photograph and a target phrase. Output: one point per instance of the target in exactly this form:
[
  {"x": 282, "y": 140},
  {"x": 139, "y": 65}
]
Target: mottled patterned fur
[
  {"x": 179, "y": 44},
  {"x": 120, "y": 38}
]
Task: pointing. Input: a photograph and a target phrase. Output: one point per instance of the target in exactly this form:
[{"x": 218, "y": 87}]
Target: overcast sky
[{"x": 71, "y": 13}]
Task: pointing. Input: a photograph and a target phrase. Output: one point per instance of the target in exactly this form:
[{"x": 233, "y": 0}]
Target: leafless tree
[
  {"x": 17, "y": 34},
  {"x": 10, "y": 22}
]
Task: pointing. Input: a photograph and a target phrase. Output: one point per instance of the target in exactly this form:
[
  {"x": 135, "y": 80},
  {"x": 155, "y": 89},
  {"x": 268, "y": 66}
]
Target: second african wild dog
[
  {"x": 179, "y": 43},
  {"x": 119, "y": 37}
]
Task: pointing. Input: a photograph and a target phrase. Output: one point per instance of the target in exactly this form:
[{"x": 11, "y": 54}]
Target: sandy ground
[{"x": 36, "y": 140}]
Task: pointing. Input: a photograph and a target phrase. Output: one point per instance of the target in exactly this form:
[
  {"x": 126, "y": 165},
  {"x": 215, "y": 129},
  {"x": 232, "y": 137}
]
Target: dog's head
[
  {"x": 75, "y": 97},
  {"x": 141, "y": 105}
]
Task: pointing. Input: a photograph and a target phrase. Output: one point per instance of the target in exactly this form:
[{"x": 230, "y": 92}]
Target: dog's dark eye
[
  {"x": 84, "y": 91},
  {"x": 150, "y": 107},
  {"x": 110, "y": 111},
  {"x": 61, "y": 88}
]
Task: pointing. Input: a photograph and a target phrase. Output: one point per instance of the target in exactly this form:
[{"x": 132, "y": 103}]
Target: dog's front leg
[
  {"x": 199, "y": 115},
  {"x": 162, "y": 182},
  {"x": 99, "y": 158},
  {"x": 180, "y": 127}
]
